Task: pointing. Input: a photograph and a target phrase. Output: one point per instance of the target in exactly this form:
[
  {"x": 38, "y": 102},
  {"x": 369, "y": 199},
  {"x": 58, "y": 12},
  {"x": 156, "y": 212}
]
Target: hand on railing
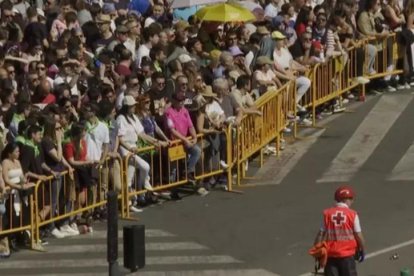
[{"x": 27, "y": 186}]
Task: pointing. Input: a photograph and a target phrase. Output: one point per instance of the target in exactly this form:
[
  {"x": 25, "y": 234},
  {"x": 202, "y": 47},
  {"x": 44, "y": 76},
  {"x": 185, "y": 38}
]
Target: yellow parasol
[{"x": 225, "y": 12}]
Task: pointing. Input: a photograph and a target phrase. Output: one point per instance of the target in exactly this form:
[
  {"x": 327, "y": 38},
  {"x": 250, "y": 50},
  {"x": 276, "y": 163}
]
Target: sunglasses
[{"x": 58, "y": 128}]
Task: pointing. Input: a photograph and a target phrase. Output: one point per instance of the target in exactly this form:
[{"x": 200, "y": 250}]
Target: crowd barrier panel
[
  {"x": 58, "y": 198},
  {"x": 24, "y": 221},
  {"x": 168, "y": 166},
  {"x": 255, "y": 132},
  {"x": 387, "y": 48}
]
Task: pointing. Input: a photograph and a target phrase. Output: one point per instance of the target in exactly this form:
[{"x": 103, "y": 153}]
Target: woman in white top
[
  {"x": 287, "y": 66},
  {"x": 130, "y": 130},
  {"x": 17, "y": 183}
]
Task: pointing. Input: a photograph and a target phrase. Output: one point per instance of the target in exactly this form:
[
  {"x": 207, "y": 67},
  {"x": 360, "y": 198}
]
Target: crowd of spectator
[{"x": 82, "y": 81}]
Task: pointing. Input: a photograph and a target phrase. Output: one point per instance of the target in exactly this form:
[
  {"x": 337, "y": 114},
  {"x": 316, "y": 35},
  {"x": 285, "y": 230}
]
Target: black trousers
[{"x": 341, "y": 267}]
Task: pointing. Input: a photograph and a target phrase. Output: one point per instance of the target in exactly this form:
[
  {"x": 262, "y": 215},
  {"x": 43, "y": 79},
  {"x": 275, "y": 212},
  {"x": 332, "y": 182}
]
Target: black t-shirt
[
  {"x": 34, "y": 33},
  {"x": 297, "y": 50},
  {"x": 102, "y": 42},
  {"x": 29, "y": 161},
  {"x": 47, "y": 146}
]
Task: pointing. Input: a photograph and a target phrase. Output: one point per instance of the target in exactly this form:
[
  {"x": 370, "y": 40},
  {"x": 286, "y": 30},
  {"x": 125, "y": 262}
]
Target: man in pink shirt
[{"x": 180, "y": 126}]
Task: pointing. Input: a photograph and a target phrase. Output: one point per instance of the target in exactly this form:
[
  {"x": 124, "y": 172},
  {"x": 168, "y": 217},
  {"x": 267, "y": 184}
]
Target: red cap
[
  {"x": 344, "y": 192},
  {"x": 317, "y": 45}
]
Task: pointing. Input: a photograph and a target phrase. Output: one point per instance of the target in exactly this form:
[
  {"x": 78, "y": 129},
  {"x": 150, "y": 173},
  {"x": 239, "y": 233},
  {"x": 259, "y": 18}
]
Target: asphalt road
[{"x": 268, "y": 229}]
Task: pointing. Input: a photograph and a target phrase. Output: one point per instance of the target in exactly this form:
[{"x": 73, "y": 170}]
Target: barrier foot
[
  {"x": 130, "y": 219},
  {"x": 38, "y": 247},
  {"x": 235, "y": 191}
]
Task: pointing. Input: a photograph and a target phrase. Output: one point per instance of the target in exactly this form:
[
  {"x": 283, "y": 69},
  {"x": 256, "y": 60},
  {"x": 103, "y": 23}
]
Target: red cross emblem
[{"x": 339, "y": 218}]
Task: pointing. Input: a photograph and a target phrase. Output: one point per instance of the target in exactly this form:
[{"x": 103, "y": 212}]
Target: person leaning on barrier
[
  {"x": 97, "y": 140},
  {"x": 178, "y": 123},
  {"x": 53, "y": 154},
  {"x": 130, "y": 130},
  {"x": 4, "y": 240},
  {"x": 241, "y": 95},
  {"x": 232, "y": 111},
  {"x": 341, "y": 230},
  {"x": 19, "y": 189}
]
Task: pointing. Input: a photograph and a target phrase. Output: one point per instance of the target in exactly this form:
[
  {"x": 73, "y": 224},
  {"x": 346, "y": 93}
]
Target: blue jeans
[{"x": 194, "y": 153}]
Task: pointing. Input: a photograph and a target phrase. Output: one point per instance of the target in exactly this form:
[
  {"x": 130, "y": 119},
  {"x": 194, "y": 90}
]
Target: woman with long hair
[
  {"x": 130, "y": 130},
  {"x": 75, "y": 152},
  {"x": 53, "y": 150},
  {"x": 20, "y": 188}
]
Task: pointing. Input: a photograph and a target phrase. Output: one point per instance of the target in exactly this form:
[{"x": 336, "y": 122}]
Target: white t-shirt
[
  {"x": 97, "y": 136},
  {"x": 128, "y": 131},
  {"x": 214, "y": 111},
  {"x": 143, "y": 51},
  {"x": 284, "y": 59},
  {"x": 271, "y": 10}
]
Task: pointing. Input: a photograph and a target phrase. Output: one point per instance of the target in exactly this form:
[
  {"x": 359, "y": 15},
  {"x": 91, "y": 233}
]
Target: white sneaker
[
  {"x": 391, "y": 89},
  {"x": 202, "y": 191},
  {"x": 400, "y": 86},
  {"x": 338, "y": 109},
  {"x": 345, "y": 101},
  {"x": 300, "y": 108},
  {"x": 287, "y": 130},
  {"x": 350, "y": 96},
  {"x": 362, "y": 80},
  {"x": 407, "y": 86},
  {"x": 68, "y": 231},
  {"x": 75, "y": 228},
  {"x": 57, "y": 234},
  {"x": 223, "y": 164},
  {"x": 148, "y": 186},
  {"x": 372, "y": 72},
  {"x": 135, "y": 209},
  {"x": 305, "y": 122}
]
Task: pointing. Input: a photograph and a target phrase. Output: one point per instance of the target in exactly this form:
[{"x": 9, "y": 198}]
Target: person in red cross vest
[{"x": 342, "y": 233}]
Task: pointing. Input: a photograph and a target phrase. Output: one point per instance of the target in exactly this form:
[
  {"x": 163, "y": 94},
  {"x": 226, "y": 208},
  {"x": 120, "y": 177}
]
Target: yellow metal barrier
[
  {"x": 387, "y": 48},
  {"x": 48, "y": 195},
  {"x": 255, "y": 132},
  {"x": 168, "y": 166},
  {"x": 24, "y": 221}
]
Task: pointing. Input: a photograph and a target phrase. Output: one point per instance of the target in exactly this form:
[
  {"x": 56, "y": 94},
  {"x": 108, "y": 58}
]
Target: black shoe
[
  {"x": 13, "y": 246},
  {"x": 175, "y": 196}
]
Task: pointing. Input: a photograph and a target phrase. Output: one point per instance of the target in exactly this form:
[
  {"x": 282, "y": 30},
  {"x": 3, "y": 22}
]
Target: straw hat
[
  {"x": 262, "y": 30},
  {"x": 208, "y": 92},
  {"x": 262, "y": 60}
]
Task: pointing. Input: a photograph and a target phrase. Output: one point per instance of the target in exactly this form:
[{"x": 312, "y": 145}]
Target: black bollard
[
  {"x": 112, "y": 235},
  {"x": 134, "y": 247}
]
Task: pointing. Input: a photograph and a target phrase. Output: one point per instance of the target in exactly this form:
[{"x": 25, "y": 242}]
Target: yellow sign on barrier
[{"x": 176, "y": 153}]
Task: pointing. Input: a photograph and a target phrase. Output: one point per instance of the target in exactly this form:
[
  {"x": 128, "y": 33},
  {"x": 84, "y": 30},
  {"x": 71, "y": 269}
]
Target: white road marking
[
  {"x": 101, "y": 262},
  {"x": 366, "y": 138},
  {"x": 404, "y": 170},
  {"x": 149, "y": 246}
]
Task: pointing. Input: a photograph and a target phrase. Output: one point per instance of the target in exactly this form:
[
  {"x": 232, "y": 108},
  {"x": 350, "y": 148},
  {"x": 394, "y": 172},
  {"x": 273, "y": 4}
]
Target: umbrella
[
  {"x": 189, "y": 3},
  {"x": 225, "y": 13}
]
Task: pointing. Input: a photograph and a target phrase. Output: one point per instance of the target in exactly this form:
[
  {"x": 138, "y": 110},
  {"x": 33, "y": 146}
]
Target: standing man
[{"x": 342, "y": 233}]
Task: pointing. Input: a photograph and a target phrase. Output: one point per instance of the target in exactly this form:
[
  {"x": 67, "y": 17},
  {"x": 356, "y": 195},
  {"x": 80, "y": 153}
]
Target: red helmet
[{"x": 344, "y": 192}]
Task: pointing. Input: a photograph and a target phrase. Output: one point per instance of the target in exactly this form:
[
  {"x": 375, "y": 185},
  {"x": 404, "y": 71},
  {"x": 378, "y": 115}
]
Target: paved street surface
[{"x": 268, "y": 229}]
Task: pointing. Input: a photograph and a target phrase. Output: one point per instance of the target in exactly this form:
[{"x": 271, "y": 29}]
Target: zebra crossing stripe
[
  {"x": 404, "y": 168},
  {"x": 149, "y": 246},
  {"x": 366, "y": 138},
  {"x": 101, "y": 262}
]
